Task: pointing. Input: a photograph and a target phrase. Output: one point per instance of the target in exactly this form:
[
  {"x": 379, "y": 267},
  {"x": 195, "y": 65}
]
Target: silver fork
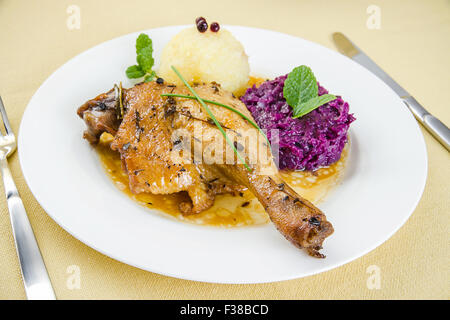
[{"x": 35, "y": 278}]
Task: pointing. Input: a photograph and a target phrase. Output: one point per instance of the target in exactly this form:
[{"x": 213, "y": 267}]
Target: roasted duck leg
[{"x": 160, "y": 159}]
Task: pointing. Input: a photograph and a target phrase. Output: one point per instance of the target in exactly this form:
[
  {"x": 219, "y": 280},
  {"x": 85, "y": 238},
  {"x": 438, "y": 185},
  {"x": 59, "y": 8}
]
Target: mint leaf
[
  {"x": 301, "y": 92},
  {"x": 143, "y": 41},
  {"x": 134, "y": 72},
  {"x": 144, "y": 52},
  {"x": 150, "y": 77},
  {"x": 300, "y": 86},
  {"x": 311, "y": 104},
  {"x": 145, "y": 59}
]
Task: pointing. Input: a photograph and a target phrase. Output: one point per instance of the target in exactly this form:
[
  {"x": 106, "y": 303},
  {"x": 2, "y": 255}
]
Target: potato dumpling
[{"x": 206, "y": 57}]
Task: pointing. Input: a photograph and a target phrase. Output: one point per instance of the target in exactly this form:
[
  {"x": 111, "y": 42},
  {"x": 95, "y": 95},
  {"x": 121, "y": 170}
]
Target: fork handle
[{"x": 35, "y": 278}]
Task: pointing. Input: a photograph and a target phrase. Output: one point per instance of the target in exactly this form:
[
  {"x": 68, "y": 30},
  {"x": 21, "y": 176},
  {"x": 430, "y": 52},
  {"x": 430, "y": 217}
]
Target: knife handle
[{"x": 430, "y": 122}]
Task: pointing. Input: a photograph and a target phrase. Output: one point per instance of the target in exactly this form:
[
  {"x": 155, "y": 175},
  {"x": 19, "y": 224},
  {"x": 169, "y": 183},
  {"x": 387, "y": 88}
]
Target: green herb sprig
[
  {"x": 301, "y": 92},
  {"x": 221, "y": 105},
  {"x": 208, "y": 110},
  {"x": 144, "y": 58}
]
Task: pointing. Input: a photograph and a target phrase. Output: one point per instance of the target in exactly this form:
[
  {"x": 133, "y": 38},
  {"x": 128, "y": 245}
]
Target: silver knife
[{"x": 439, "y": 130}]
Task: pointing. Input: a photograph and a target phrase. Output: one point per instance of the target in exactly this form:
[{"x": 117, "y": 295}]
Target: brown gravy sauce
[{"x": 228, "y": 210}]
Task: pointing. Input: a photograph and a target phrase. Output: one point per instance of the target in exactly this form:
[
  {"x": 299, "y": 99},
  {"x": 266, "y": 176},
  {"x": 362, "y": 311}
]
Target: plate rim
[{"x": 208, "y": 279}]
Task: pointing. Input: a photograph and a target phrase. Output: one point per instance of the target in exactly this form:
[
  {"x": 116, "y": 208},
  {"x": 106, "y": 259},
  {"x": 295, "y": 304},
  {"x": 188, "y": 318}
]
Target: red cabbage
[{"x": 308, "y": 143}]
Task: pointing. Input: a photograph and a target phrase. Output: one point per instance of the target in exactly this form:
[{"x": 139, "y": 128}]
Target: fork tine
[{"x": 5, "y": 118}]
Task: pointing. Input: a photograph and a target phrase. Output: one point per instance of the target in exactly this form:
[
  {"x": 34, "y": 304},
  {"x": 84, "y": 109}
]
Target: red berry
[
  {"x": 215, "y": 27},
  {"x": 199, "y": 19},
  {"x": 202, "y": 26}
]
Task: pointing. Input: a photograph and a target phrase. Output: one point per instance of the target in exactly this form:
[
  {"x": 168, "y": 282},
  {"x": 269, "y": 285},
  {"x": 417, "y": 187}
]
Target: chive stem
[
  {"x": 221, "y": 105},
  {"x": 200, "y": 100}
]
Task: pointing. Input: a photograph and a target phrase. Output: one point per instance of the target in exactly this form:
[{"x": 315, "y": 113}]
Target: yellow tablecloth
[{"x": 412, "y": 44}]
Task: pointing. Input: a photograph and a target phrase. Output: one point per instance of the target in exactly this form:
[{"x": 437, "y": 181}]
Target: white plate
[{"x": 383, "y": 183}]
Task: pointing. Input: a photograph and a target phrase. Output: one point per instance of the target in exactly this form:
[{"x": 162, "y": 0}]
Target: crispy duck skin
[
  {"x": 145, "y": 140},
  {"x": 100, "y": 116},
  {"x": 296, "y": 218}
]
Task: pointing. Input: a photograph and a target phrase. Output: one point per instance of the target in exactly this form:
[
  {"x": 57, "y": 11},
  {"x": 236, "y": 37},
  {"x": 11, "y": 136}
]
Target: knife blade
[{"x": 439, "y": 130}]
